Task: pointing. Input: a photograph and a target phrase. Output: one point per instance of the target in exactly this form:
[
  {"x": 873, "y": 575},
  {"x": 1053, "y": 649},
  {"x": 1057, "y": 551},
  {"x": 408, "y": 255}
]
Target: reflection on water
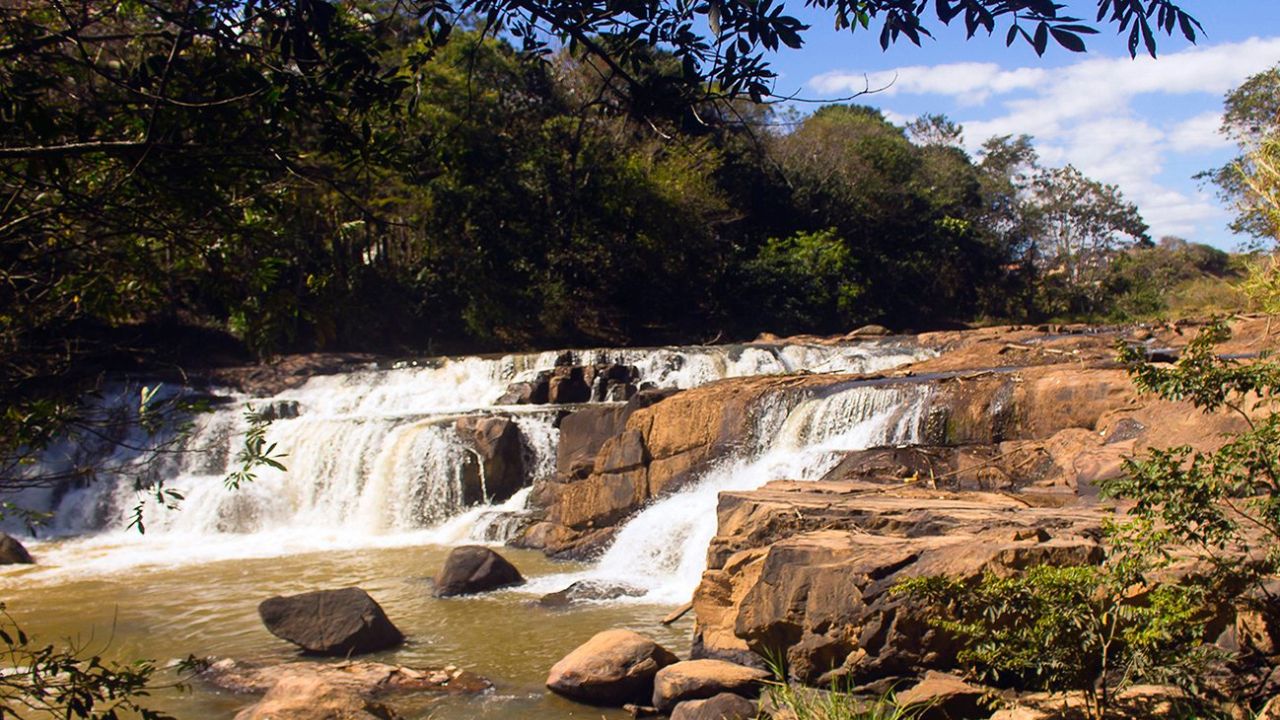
[{"x": 210, "y": 609}]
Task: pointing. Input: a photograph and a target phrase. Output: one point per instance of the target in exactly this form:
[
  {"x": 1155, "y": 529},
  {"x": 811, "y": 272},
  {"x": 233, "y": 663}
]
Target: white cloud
[
  {"x": 1085, "y": 114},
  {"x": 969, "y": 83},
  {"x": 1199, "y": 133}
]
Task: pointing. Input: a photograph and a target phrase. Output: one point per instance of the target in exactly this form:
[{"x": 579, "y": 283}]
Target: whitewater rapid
[{"x": 372, "y": 459}]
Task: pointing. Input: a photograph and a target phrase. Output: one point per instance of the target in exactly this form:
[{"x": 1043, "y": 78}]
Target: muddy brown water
[{"x": 209, "y": 609}]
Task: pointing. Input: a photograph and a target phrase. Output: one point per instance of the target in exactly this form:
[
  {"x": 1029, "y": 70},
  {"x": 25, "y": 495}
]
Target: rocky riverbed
[{"x": 781, "y": 508}]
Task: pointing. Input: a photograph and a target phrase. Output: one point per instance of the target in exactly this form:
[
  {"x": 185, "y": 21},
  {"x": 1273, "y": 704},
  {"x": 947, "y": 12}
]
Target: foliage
[
  {"x": 1146, "y": 282},
  {"x": 1092, "y": 629},
  {"x": 1250, "y": 181},
  {"x": 47, "y": 681},
  {"x": 1226, "y": 502},
  {"x": 805, "y": 703},
  {"x": 1082, "y": 223}
]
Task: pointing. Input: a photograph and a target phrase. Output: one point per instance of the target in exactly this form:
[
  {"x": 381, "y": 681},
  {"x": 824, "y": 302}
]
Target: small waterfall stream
[{"x": 661, "y": 552}]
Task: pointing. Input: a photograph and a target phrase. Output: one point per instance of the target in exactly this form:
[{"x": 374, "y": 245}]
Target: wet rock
[
  {"x": 725, "y": 706},
  {"x": 330, "y": 622},
  {"x": 582, "y": 434},
  {"x": 471, "y": 569},
  {"x": 298, "y": 698},
  {"x": 568, "y": 385},
  {"x": 940, "y": 696},
  {"x": 13, "y": 552},
  {"x": 700, "y": 679},
  {"x": 499, "y": 471},
  {"x": 325, "y": 691},
  {"x": 588, "y": 590},
  {"x": 870, "y": 331},
  {"x": 280, "y": 410},
  {"x": 525, "y": 393},
  {"x": 613, "y": 668}
]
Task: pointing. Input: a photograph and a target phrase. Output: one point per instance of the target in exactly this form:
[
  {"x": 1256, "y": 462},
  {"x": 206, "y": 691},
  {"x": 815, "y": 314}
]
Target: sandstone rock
[
  {"x": 939, "y": 696},
  {"x": 357, "y": 676},
  {"x": 526, "y": 393},
  {"x": 582, "y": 434},
  {"x": 568, "y": 385},
  {"x": 588, "y": 590},
  {"x": 808, "y": 568},
  {"x": 330, "y": 622},
  {"x": 870, "y": 331},
  {"x": 615, "y": 667},
  {"x": 309, "y": 699},
  {"x": 725, "y": 706},
  {"x": 500, "y": 471},
  {"x": 471, "y": 569},
  {"x": 13, "y": 552},
  {"x": 700, "y": 679},
  {"x": 329, "y": 691}
]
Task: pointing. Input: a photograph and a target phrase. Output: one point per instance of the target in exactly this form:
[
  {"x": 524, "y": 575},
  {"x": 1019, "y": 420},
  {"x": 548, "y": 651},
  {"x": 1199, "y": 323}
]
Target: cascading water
[
  {"x": 373, "y": 455},
  {"x": 662, "y": 550}
]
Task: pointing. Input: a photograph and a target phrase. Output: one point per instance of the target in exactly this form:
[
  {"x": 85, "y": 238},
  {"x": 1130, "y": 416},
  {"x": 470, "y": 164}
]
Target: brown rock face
[
  {"x": 940, "y": 696},
  {"x": 701, "y": 679},
  {"x": 472, "y": 569},
  {"x": 499, "y": 471},
  {"x": 807, "y": 569},
  {"x": 613, "y": 668},
  {"x": 330, "y": 622}
]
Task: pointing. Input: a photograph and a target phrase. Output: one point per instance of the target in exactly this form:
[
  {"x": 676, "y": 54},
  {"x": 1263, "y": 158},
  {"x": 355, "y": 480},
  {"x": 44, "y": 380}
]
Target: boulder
[
  {"x": 940, "y": 696},
  {"x": 330, "y": 622},
  {"x": 333, "y": 691},
  {"x": 500, "y": 470},
  {"x": 298, "y": 698},
  {"x": 869, "y": 331},
  {"x": 700, "y": 679},
  {"x": 471, "y": 569},
  {"x": 613, "y": 668},
  {"x": 12, "y": 552},
  {"x": 725, "y": 706}
]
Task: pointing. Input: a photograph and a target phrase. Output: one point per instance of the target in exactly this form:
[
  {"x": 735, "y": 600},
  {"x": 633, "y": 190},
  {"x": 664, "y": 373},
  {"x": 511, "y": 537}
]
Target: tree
[
  {"x": 938, "y": 130},
  {"x": 1081, "y": 225},
  {"x": 1251, "y": 119}
]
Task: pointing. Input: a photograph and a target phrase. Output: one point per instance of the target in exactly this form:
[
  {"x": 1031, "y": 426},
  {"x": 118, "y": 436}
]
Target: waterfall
[
  {"x": 662, "y": 550},
  {"x": 373, "y": 454}
]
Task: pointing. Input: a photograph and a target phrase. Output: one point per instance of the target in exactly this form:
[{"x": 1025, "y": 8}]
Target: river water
[{"x": 370, "y": 498}]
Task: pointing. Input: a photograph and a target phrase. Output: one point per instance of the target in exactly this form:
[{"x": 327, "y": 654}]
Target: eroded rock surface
[{"x": 333, "y": 691}]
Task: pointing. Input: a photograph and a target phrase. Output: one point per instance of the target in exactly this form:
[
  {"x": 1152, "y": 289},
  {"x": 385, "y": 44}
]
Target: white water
[
  {"x": 662, "y": 550},
  {"x": 372, "y": 458}
]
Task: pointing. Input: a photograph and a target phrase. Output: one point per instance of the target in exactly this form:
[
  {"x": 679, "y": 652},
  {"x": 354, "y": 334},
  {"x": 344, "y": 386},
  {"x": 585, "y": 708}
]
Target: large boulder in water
[
  {"x": 330, "y": 622},
  {"x": 499, "y": 450},
  {"x": 12, "y": 552},
  {"x": 701, "y": 679},
  {"x": 471, "y": 569},
  {"x": 614, "y": 668}
]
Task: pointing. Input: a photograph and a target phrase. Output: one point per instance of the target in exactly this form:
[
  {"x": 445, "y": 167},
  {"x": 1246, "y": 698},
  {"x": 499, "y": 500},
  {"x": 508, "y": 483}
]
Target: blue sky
[{"x": 1146, "y": 125}]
